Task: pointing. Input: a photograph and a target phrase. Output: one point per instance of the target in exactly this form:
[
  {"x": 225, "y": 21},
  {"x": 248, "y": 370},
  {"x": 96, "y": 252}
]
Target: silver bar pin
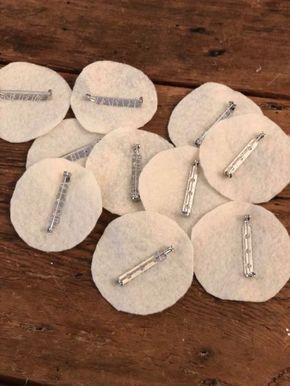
[
  {"x": 81, "y": 152},
  {"x": 116, "y": 102},
  {"x": 135, "y": 173},
  {"x": 247, "y": 248},
  {"x": 243, "y": 155},
  {"x": 59, "y": 202},
  {"x": 190, "y": 189},
  {"x": 137, "y": 270},
  {"x": 225, "y": 114},
  {"x": 24, "y": 95}
]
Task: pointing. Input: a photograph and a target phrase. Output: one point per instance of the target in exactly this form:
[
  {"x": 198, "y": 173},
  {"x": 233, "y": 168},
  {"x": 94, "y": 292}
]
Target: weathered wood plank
[
  {"x": 56, "y": 329},
  {"x": 243, "y": 43},
  {"x": 77, "y": 336}
]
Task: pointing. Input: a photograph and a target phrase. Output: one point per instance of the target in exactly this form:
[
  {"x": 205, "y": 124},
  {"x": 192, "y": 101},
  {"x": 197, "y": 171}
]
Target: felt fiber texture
[
  {"x": 33, "y": 201},
  {"x": 129, "y": 240},
  {"x": 111, "y": 159},
  {"x": 25, "y": 120},
  {"x": 263, "y": 174},
  {"x": 199, "y": 109},
  {"x": 64, "y": 138},
  {"x": 163, "y": 183},
  {"x": 217, "y": 241},
  {"x": 112, "y": 79}
]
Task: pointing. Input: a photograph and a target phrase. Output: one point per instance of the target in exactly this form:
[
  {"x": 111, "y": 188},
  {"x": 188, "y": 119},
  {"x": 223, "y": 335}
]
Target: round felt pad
[
  {"x": 34, "y": 199},
  {"x": 263, "y": 174},
  {"x": 63, "y": 139},
  {"x": 23, "y": 120},
  {"x": 111, "y": 162},
  {"x": 112, "y": 80},
  {"x": 200, "y": 108},
  {"x": 217, "y": 241},
  {"x": 163, "y": 184},
  {"x": 131, "y": 239}
]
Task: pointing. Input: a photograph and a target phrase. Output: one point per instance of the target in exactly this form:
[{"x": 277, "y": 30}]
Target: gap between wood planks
[
  {"x": 170, "y": 83},
  {"x": 8, "y": 381}
]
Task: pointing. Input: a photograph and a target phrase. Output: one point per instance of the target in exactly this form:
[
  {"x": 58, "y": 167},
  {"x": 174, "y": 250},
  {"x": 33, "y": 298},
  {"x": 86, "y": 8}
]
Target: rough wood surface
[
  {"x": 179, "y": 42},
  {"x": 55, "y": 328}
]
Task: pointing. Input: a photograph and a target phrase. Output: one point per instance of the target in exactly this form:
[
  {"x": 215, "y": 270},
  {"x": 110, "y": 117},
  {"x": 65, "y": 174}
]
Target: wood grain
[
  {"x": 55, "y": 328},
  {"x": 243, "y": 43}
]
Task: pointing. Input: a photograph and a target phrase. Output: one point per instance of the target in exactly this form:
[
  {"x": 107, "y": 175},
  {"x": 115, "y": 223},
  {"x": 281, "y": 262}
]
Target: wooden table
[{"x": 55, "y": 327}]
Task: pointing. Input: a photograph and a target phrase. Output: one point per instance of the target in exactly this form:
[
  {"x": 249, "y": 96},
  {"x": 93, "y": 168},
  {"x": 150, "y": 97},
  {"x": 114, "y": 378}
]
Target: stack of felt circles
[{"x": 184, "y": 208}]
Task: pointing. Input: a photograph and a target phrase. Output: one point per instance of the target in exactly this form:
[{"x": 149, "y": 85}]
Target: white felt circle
[
  {"x": 128, "y": 241},
  {"x": 200, "y": 108},
  {"x": 112, "y": 79},
  {"x": 217, "y": 241},
  {"x": 263, "y": 174},
  {"x": 64, "y": 138},
  {"x": 33, "y": 201},
  {"x": 25, "y": 120},
  {"x": 111, "y": 159},
  {"x": 163, "y": 183}
]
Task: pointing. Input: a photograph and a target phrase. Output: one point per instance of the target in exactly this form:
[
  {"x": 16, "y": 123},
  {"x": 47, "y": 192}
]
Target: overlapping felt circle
[
  {"x": 199, "y": 109},
  {"x": 23, "y": 120},
  {"x": 128, "y": 241},
  {"x": 64, "y": 139},
  {"x": 163, "y": 184},
  {"x": 109, "y": 79},
  {"x": 111, "y": 163},
  {"x": 34, "y": 199}
]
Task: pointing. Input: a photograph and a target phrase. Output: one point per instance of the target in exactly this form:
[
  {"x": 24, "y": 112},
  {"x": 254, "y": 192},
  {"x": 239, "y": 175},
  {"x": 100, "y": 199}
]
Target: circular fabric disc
[
  {"x": 63, "y": 139},
  {"x": 200, "y": 108},
  {"x": 263, "y": 174},
  {"x": 111, "y": 162},
  {"x": 163, "y": 184},
  {"x": 217, "y": 241},
  {"x": 128, "y": 241},
  {"x": 34, "y": 199},
  {"x": 25, "y": 120},
  {"x": 114, "y": 80}
]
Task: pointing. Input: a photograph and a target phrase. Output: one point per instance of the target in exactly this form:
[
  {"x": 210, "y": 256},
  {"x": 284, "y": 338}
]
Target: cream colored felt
[
  {"x": 263, "y": 174},
  {"x": 25, "y": 120},
  {"x": 112, "y": 79},
  {"x": 163, "y": 183},
  {"x": 200, "y": 108},
  {"x": 129, "y": 240},
  {"x": 111, "y": 161},
  {"x": 217, "y": 241},
  {"x": 64, "y": 138},
  {"x": 34, "y": 198}
]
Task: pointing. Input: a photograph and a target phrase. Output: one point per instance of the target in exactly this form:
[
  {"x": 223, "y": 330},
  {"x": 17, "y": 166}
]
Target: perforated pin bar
[
  {"x": 144, "y": 266},
  {"x": 242, "y": 156},
  {"x": 59, "y": 202},
  {"x": 135, "y": 173},
  {"x": 81, "y": 152},
  {"x": 24, "y": 95},
  {"x": 225, "y": 114},
  {"x": 247, "y": 247},
  {"x": 116, "y": 102},
  {"x": 190, "y": 189}
]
